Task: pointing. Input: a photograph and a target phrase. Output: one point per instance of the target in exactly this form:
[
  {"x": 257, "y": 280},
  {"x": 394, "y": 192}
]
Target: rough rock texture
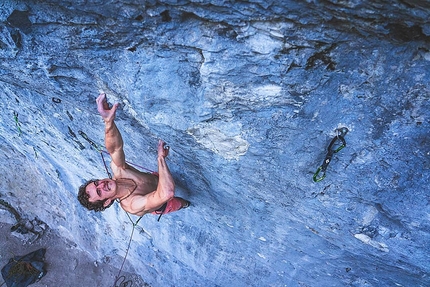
[{"x": 248, "y": 95}]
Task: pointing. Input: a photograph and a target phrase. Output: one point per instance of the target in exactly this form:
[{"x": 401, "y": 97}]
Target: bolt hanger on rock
[{"x": 331, "y": 150}]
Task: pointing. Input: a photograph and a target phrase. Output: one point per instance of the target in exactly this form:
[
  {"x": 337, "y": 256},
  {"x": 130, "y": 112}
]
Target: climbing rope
[
  {"x": 118, "y": 277},
  {"x": 123, "y": 282},
  {"x": 331, "y": 150}
]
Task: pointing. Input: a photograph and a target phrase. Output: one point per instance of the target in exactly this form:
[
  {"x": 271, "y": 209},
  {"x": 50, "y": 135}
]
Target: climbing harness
[
  {"x": 332, "y": 149},
  {"x": 161, "y": 211}
]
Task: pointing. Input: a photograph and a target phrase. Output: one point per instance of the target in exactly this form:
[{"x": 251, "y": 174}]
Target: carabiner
[
  {"x": 332, "y": 143},
  {"x": 316, "y": 174}
]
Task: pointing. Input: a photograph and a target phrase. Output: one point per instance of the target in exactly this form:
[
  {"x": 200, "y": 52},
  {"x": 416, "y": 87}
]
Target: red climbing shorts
[{"x": 172, "y": 205}]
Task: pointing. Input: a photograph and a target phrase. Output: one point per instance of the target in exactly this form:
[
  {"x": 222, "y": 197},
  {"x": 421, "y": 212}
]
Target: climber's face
[{"x": 101, "y": 189}]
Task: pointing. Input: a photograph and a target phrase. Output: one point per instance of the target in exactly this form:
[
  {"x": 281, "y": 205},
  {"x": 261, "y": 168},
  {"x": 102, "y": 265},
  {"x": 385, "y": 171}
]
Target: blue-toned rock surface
[{"x": 248, "y": 94}]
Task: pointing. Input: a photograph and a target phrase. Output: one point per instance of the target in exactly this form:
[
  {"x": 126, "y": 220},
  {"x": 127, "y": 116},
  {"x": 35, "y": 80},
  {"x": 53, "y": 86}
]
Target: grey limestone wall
[{"x": 248, "y": 94}]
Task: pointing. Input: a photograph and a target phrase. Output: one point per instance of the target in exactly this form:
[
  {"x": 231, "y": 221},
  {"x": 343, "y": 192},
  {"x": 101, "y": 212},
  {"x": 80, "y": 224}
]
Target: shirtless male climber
[{"x": 137, "y": 192}]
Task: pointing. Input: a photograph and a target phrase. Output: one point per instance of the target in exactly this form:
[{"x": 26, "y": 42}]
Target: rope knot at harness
[{"x": 331, "y": 150}]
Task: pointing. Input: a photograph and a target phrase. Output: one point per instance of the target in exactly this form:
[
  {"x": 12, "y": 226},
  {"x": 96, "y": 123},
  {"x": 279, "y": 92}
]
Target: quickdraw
[
  {"x": 332, "y": 149},
  {"x": 98, "y": 148},
  {"x": 18, "y": 125},
  {"x": 92, "y": 143}
]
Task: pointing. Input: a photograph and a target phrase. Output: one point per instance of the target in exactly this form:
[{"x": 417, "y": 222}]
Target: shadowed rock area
[{"x": 248, "y": 94}]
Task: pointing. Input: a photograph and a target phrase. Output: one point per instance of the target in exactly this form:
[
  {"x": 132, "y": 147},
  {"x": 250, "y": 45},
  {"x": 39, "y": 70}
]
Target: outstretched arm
[
  {"x": 165, "y": 189},
  {"x": 113, "y": 138},
  {"x": 166, "y": 184}
]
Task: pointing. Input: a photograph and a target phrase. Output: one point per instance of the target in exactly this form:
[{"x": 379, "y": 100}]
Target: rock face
[{"x": 248, "y": 96}]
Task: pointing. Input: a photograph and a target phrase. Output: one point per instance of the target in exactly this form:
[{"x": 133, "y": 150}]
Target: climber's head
[{"x": 97, "y": 194}]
